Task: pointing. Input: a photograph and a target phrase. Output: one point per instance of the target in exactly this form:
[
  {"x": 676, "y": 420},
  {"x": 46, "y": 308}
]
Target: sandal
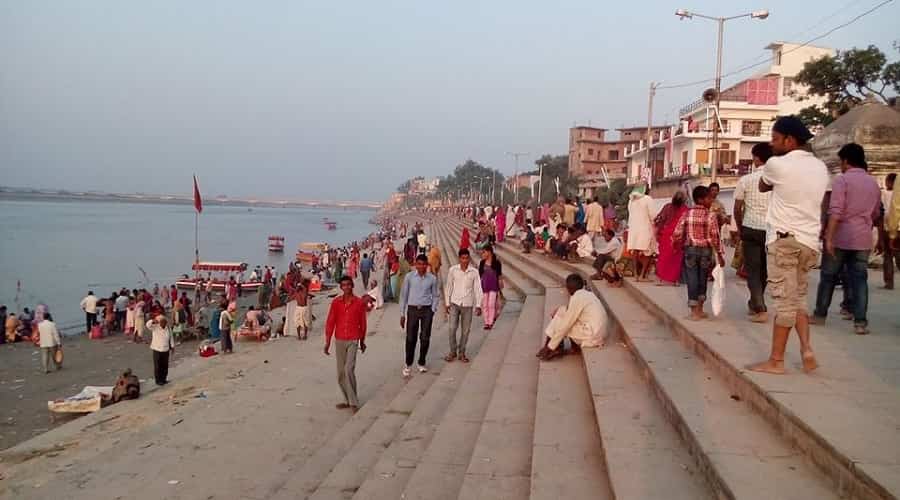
[
  {"x": 463, "y": 358},
  {"x": 450, "y": 358}
]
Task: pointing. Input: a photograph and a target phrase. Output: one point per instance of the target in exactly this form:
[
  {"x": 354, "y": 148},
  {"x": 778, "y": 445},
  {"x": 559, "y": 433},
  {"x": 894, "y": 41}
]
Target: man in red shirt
[{"x": 347, "y": 324}]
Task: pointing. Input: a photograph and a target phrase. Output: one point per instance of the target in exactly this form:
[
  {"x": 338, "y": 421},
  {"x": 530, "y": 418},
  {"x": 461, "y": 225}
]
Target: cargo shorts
[{"x": 788, "y": 266}]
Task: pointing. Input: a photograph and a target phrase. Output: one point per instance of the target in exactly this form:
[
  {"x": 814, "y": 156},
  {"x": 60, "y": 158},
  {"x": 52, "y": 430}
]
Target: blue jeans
[
  {"x": 856, "y": 282},
  {"x": 697, "y": 265}
]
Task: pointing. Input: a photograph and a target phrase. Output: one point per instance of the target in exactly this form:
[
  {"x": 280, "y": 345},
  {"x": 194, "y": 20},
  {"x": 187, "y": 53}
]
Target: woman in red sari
[
  {"x": 669, "y": 261},
  {"x": 464, "y": 242}
]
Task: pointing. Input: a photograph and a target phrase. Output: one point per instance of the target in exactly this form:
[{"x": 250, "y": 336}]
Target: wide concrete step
[
  {"x": 501, "y": 461},
  {"x": 394, "y": 466},
  {"x": 303, "y": 481},
  {"x": 704, "y": 410},
  {"x": 645, "y": 457},
  {"x": 519, "y": 272},
  {"x": 439, "y": 472},
  {"x": 567, "y": 453},
  {"x": 518, "y": 284}
]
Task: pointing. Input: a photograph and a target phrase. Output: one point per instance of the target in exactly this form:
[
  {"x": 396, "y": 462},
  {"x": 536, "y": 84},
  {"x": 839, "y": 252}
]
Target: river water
[{"x": 58, "y": 250}]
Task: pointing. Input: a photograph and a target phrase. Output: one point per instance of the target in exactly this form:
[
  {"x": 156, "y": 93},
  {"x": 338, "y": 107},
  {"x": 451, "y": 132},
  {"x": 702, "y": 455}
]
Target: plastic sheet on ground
[{"x": 86, "y": 401}]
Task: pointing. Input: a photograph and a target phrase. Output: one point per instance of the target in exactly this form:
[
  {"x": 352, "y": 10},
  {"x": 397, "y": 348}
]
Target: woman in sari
[
  {"x": 464, "y": 243},
  {"x": 491, "y": 272},
  {"x": 500, "y": 223},
  {"x": 353, "y": 263},
  {"x": 669, "y": 261}
]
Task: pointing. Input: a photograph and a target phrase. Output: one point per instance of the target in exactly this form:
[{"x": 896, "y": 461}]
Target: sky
[{"x": 345, "y": 100}]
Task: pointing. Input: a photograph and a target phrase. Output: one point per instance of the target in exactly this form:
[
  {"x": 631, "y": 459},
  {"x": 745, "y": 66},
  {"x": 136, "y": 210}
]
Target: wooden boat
[
  {"x": 276, "y": 243},
  {"x": 224, "y": 271},
  {"x": 329, "y": 224}
]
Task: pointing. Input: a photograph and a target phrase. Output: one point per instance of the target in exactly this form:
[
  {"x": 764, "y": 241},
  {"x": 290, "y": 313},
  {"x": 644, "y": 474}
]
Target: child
[{"x": 698, "y": 233}]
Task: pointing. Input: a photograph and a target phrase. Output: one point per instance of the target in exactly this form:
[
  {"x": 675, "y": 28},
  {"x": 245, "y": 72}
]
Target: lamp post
[
  {"x": 685, "y": 14},
  {"x": 516, "y": 176},
  {"x": 653, "y": 87}
]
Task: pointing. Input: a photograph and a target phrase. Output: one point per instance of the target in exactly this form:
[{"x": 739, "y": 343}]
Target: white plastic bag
[{"x": 717, "y": 296}]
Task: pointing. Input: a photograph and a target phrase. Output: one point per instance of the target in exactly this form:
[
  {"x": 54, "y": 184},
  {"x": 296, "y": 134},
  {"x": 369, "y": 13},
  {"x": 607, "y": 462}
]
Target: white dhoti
[
  {"x": 584, "y": 321},
  {"x": 290, "y": 318},
  {"x": 302, "y": 317}
]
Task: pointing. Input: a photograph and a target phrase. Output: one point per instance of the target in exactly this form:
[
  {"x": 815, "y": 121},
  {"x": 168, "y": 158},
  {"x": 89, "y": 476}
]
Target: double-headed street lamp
[{"x": 685, "y": 14}]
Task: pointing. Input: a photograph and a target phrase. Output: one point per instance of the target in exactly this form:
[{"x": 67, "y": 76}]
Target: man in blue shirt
[
  {"x": 419, "y": 298},
  {"x": 365, "y": 268}
]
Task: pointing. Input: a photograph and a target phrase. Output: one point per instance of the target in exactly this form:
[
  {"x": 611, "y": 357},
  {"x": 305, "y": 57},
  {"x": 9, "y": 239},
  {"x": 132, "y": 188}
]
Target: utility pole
[
  {"x": 516, "y": 177},
  {"x": 653, "y": 87},
  {"x": 540, "y": 183},
  {"x": 493, "y": 183}
]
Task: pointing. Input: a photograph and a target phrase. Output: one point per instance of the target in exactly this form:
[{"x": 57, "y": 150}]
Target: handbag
[{"x": 58, "y": 355}]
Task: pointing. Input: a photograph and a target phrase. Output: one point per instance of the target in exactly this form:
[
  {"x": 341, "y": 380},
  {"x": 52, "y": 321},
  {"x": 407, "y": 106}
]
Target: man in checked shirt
[{"x": 698, "y": 233}]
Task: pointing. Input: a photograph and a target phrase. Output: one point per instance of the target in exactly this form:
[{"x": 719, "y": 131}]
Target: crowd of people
[{"x": 789, "y": 218}]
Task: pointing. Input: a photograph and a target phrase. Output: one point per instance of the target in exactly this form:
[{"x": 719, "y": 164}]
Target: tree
[
  {"x": 555, "y": 167},
  {"x": 404, "y": 188},
  {"x": 847, "y": 79},
  {"x": 814, "y": 116},
  {"x": 467, "y": 179}
]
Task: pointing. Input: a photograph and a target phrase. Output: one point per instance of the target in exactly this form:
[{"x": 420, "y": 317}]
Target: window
[
  {"x": 600, "y": 134},
  {"x": 778, "y": 57},
  {"x": 614, "y": 155},
  {"x": 787, "y": 89},
  {"x": 590, "y": 152},
  {"x": 751, "y": 128}
]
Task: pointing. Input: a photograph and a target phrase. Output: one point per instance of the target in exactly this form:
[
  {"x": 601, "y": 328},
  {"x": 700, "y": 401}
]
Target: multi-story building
[
  {"x": 746, "y": 113},
  {"x": 590, "y": 154}
]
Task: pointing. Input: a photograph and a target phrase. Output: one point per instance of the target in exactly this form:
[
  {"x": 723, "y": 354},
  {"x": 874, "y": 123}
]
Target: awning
[{"x": 219, "y": 266}]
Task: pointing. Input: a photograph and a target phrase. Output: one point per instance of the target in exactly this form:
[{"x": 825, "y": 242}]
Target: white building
[{"x": 747, "y": 111}]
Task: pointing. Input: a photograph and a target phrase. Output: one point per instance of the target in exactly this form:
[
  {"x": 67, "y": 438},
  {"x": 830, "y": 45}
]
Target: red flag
[{"x": 198, "y": 202}]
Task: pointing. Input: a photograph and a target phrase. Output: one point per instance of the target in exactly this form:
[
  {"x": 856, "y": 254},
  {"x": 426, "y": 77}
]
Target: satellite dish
[{"x": 710, "y": 95}]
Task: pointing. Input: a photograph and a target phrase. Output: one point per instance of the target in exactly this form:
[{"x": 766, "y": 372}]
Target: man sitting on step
[{"x": 583, "y": 321}]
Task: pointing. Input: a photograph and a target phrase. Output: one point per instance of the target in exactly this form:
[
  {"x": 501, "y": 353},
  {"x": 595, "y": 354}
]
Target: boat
[
  {"x": 329, "y": 224},
  {"x": 224, "y": 271},
  {"x": 276, "y": 243},
  {"x": 308, "y": 252}
]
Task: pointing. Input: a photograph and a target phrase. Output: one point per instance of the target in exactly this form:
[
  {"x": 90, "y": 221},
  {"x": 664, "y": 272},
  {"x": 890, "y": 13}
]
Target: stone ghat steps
[
  {"x": 706, "y": 407},
  {"x": 518, "y": 284},
  {"x": 630, "y": 446}
]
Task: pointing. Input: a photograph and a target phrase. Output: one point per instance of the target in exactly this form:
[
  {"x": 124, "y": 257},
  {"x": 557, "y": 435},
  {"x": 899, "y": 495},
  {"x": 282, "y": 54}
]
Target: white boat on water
[{"x": 224, "y": 271}]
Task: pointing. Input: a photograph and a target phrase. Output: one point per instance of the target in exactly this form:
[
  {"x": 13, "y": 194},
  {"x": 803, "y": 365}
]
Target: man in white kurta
[
  {"x": 583, "y": 321},
  {"x": 641, "y": 234}
]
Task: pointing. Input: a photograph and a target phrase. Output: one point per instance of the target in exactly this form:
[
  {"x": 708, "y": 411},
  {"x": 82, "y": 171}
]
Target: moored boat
[
  {"x": 276, "y": 243},
  {"x": 223, "y": 272}
]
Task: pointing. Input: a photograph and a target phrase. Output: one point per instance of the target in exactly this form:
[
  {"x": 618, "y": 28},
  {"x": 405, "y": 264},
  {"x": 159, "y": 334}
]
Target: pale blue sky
[{"x": 344, "y": 100}]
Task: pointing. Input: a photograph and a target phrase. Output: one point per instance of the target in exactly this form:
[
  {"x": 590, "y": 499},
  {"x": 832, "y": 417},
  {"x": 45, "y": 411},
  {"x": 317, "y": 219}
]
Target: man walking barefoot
[
  {"x": 797, "y": 180},
  {"x": 347, "y": 324},
  {"x": 462, "y": 294},
  {"x": 303, "y": 313}
]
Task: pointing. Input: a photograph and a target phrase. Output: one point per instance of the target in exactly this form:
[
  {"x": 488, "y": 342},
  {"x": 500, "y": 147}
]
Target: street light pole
[
  {"x": 715, "y": 137},
  {"x": 685, "y": 14},
  {"x": 493, "y": 183},
  {"x": 653, "y": 87},
  {"x": 540, "y": 183},
  {"x": 516, "y": 176}
]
